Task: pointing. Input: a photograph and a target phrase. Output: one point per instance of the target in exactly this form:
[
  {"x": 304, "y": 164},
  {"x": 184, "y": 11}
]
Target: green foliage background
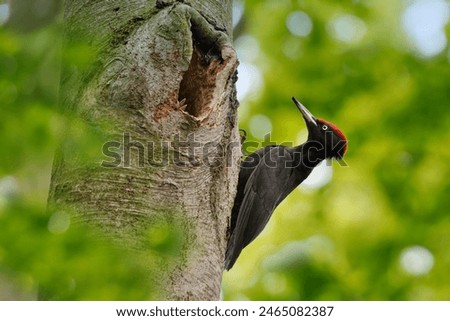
[
  {"x": 347, "y": 240},
  {"x": 352, "y": 238}
]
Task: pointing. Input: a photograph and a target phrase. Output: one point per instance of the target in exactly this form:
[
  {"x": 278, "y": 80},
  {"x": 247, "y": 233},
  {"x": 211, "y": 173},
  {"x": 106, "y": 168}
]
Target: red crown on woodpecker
[{"x": 337, "y": 131}]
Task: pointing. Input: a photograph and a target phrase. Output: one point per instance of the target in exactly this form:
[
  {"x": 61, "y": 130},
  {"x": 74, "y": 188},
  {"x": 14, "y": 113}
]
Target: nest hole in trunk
[{"x": 199, "y": 82}]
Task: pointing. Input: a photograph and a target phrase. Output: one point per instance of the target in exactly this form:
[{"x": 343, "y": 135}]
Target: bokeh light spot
[
  {"x": 260, "y": 126},
  {"x": 416, "y": 260},
  {"x": 424, "y": 22},
  {"x": 275, "y": 283},
  {"x": 4, "y": 13},
  {"x": 238, "y": 11},
  {"x": 347, "y": 28},
  {"x": 59, "y": 222},
  {"x": 249, "y": 81},
  {"x": 9, "y": 188},
  {"x": 299, "y": 24},
  {"x": 292, "y": 48},
  {"x": 247, "y": 48}
]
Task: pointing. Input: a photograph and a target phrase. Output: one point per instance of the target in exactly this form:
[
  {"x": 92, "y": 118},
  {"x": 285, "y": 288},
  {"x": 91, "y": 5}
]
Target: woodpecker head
[{"x": 327, "y": 135}]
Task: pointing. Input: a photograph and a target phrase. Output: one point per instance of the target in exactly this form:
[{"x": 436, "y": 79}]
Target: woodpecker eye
[{"x": 324, "y": 127}]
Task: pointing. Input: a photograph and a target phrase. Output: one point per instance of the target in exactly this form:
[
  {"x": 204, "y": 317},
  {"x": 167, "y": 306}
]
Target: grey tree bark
[{"x": 160, "y": 80}]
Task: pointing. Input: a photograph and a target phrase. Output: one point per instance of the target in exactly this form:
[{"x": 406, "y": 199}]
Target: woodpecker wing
[
  {"x": 269, "y": 183},
  {"x": 248, "y": 166}
]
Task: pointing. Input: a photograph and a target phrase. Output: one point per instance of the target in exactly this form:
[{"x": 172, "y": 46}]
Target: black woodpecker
[{"x": 271, "y": 173}]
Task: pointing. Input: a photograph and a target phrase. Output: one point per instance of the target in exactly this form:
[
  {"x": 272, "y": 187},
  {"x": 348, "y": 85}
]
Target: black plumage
[{"x": 271, "y": 173}]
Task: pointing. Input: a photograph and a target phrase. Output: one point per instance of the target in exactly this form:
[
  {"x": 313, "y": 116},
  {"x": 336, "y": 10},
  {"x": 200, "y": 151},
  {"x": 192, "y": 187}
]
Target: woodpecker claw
[{"x": 182, "y": 104}]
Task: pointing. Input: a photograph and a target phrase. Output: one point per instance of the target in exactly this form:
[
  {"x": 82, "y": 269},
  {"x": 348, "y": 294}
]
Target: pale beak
[{"x": 309, "y": 118}]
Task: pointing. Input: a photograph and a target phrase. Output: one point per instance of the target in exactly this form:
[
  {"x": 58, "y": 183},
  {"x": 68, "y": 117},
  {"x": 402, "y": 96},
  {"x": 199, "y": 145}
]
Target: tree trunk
[{"x": 155, "y": 82}]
